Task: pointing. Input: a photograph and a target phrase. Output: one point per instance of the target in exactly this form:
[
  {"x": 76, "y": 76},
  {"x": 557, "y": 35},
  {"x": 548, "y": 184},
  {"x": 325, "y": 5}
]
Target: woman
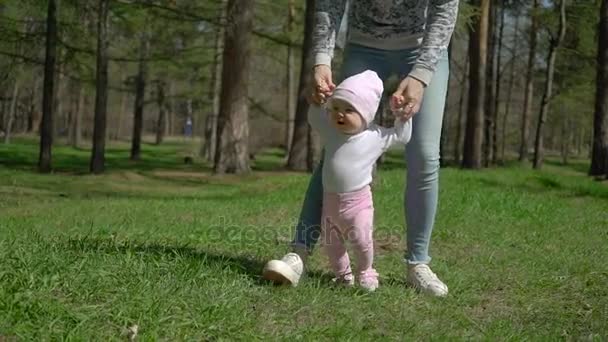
[{"x": 404, "y": 37}]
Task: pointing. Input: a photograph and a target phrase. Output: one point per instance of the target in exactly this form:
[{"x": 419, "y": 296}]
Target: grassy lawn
[{"x": 179, "y": 252}]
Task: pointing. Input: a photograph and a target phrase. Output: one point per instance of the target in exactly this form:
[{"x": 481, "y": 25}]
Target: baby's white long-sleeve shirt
[{"x": 349, "y": 159}]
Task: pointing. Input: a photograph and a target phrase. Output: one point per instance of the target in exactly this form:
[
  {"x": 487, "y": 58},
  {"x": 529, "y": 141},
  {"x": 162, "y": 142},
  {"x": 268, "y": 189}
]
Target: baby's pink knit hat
[{"x": 363, "y": 91}]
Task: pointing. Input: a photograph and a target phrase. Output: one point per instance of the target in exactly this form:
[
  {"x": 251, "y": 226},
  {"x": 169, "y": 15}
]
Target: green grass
[{"x": 179, "y": 252}]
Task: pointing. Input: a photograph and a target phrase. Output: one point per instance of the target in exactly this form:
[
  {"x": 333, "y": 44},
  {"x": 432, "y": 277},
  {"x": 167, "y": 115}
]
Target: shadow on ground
[{"x": 243, "y": 264}]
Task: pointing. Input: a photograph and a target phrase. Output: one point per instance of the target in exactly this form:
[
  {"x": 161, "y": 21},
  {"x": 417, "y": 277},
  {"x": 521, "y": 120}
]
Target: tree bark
[
  {"x": 498, "y": 71},
  {"x": 140, "y": 93},
  {"x": 298, "y": 154},
  {"x": 565, "y": 138},
  {"x": 599, "y": 154},
  {"x": 461, "y": 109},
  {"x": 75, "y": 88},
  {"x": 210, "y": 144},
  {"x": 233, "y": 127},
  {"x": 162, "y": 112},
  {"x": 490, "y": 85},
  {"x": 529, "y": 89},
  {"x": 509, "y": 95},
  {"x": 171, "y": 113},
  {"x": 31, "y": 117},
  {"x": 79, "y": 114},
  {"x": 443, "y": 141},
  {"x": 101, "y": 94},
  {"x": 8, "y": 127},
  {"x": 290, "y": 82},
  {"x": 123, "y": 108},
  {"x": 46, "y": 129},
  {"x": 472, "y": 158},
  {"x": 544, "y": 109}
]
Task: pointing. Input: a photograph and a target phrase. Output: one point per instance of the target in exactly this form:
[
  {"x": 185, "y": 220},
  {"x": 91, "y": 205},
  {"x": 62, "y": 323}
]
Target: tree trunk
[
  {"x": 46, "y": 129},
  {"x": 171, "y": 113},
  {"x": 11, "y": 112},
  {"x": 210, "y": 144},
  {"x": 529, "y": 89},
  {"x": 140, "y": 93},
  {"x": 461, "y": 109},
  {"x": 443, "y": 142},
  {"x": 599, "y": 154},
  {"x": 490, "y": 85},
  {"x": 233, "y": 127},
  {"x": 478, "y": 53},
  {"x": 162, "y": 112},
  {"x": 79, "y": 113},
  {"x": 32, "y": 111},
  {"x": 298, "y": 154},
  {"x": 101, "y": 93},
  {"x": 58, "y": 101},
  {"x": 121, "y": 114},
  {"x": 565, "y": 138},
  {"x": 290, "y": 82},
  {"x": 8, "y": 127},
  {"x": 544, "y": 109},
  {"x": 498, "y": 83},
  {"x": 509, "y": 95}
]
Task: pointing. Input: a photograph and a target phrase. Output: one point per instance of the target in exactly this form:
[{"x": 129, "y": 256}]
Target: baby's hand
[{"x": 397, "y": 104}]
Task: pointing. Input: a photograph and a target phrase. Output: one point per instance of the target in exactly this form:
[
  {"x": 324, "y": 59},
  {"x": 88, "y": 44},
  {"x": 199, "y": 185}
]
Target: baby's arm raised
[
  {"x": 400, "y": 133},
  {"x": 317, "y": 118}
]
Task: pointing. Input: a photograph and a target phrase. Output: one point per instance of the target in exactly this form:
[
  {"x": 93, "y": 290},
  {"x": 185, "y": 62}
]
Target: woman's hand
[
  {"x": 407, "y": 99},
  {"x": 322, "y": 85}
]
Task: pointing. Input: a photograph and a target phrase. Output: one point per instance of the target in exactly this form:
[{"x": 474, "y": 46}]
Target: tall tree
[
  {"x": 77, "y": 107},
  {"x": 233, "y": 127},
  {"x": 46, "y": 129},
  {"x": 529, "y": 89},
  {"x": 161, "y": 121},
  {"x": 478, "y": 40},
  {"x": 290, "y": 79},
  {"x": 444, "y": 122},
  {"x": 498, "y": 71},
  {"x": 554, "y": 43},
  {"x": 490, "y": 84},
  {"x": 140, "y": 92},
  {"x": 461, "y": 110},
  {"x": 209, "y": 147},
  {"x": 8, "y": 126},
  {"x": 101, "y": 93},
  {"x": 298, "y": 159},
  {"x": 599, "y": 154},
  {"x": 508, "y": 104}
]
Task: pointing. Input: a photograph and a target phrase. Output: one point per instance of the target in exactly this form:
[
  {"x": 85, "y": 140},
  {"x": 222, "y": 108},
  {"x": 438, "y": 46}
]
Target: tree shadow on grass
[
  {"x": 243, "y": 264},
  {"x": 580, "y": 166},
  {"x": 542, "y": 184},
  {"x": 66, "y": 159}
]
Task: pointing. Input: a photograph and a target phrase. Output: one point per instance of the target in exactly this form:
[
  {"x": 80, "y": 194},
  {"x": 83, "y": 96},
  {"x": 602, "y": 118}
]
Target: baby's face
[{"x": 344, "y": 117}]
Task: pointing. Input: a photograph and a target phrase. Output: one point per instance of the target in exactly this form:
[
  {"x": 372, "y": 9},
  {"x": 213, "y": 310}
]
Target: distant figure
[{"x": 188, "y": 128}]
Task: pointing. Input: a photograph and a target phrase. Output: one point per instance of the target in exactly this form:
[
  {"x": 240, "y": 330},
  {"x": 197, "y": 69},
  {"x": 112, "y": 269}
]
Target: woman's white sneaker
[
  {"x": 286, "y": 271},
  {"x": 423, "y": 279}
]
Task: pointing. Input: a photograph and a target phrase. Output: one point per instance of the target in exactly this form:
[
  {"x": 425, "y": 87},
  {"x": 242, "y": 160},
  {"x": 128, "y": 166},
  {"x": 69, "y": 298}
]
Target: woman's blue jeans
[{"x": 422, "y": 153}]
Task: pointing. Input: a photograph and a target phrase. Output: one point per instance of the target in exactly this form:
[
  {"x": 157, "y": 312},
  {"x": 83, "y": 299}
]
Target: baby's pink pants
[{"x": 349, "y": 217}]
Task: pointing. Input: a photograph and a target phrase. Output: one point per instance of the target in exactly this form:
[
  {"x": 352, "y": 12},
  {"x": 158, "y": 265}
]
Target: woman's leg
[
  {"x": 308, "y": 228},
  {"x": 422, "y": 155}
]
